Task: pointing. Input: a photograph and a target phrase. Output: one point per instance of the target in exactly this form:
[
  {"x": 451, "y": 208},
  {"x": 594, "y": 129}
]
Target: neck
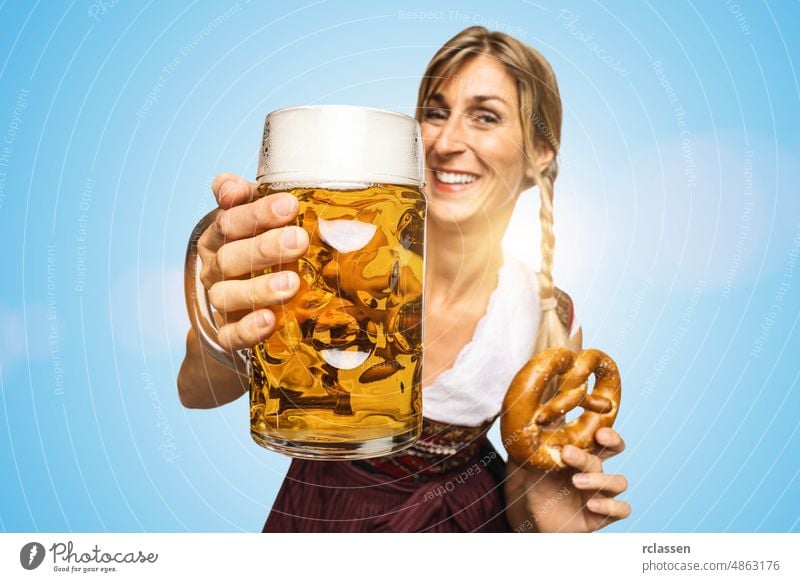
[{"x": 462, "y": 265}]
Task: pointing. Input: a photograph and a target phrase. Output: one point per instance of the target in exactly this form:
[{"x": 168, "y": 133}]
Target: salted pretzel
[{"x": 529, "y": 428}]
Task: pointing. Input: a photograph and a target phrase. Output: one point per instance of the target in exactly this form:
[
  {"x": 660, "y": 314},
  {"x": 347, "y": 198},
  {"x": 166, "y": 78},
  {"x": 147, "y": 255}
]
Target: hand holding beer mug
[{"x": 333, "y": 244}]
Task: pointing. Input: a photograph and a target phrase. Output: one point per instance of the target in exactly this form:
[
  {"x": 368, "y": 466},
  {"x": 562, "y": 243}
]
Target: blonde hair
[{"x": 540, "y": 113}]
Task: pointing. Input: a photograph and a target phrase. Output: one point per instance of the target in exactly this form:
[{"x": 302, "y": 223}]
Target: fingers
[
  {"x": 251, "y": 329},
  {"x": 281, "y": 245},
  {"x": 249, "y": 220},
  {"x": 610, "y": 442},
  {"x": 607, "y": 484},
  {"x": 231, "y": 190},
  {"x": 236, "y": 244},
  {"x": 250, "y": 294},
  {"x": 582, "y": 460},
  {"x": 613, "y": 509},
  {"x": 239, "y": 217},
  {"x": 592, "y": 479}
]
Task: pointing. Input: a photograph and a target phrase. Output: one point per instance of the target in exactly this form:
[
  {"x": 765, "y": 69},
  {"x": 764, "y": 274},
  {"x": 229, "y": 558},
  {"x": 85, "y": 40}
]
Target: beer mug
[{"x": 340, "y": 378}]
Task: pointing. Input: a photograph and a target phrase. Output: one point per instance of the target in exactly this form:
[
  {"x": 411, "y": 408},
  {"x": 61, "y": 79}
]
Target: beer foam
[{"x": 341, "y": 143}]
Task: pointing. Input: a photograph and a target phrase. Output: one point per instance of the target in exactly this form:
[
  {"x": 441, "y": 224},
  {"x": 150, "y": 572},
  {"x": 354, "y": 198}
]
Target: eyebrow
[
  {"x": 439, "y": 98},
  {"x": 482, "y": 98}
]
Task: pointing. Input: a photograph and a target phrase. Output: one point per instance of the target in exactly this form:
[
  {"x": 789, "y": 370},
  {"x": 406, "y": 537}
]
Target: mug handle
[{"x": 199, "y": 307}]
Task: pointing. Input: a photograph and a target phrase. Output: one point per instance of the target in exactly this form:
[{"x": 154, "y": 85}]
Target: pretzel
[{"x": 529, "y": 427}]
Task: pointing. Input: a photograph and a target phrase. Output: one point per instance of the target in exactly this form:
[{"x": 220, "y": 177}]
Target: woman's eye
[
  {"x": 486, "y": 117},
  {"x": 435, "y": 114}
]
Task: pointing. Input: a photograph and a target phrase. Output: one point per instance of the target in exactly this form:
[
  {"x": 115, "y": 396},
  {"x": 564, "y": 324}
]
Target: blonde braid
[{"x": 551, "y": 331}]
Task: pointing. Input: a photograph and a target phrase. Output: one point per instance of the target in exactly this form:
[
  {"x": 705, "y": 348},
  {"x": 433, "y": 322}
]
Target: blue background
[{"x": 678, "y": 225}]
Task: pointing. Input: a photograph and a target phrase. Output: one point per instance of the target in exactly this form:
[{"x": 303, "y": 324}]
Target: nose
[{"x": 450, "y": 138}]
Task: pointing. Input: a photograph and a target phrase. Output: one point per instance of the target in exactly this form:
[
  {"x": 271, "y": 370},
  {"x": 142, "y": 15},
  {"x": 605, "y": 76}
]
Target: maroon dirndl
[{"x": 449, "y": 481}]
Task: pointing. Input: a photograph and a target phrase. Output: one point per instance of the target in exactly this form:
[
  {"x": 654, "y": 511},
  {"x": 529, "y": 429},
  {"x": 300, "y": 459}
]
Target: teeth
[{"x": 450, "y": 178}]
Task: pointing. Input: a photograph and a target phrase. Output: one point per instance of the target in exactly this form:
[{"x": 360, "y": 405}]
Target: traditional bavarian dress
[{"x": 451, "y": 479}]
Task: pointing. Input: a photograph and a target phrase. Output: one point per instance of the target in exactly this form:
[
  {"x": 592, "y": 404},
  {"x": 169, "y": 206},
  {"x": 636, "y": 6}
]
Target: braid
[
  {"x": 548, "y": 242},
  {"x": 551, "y": 331}
]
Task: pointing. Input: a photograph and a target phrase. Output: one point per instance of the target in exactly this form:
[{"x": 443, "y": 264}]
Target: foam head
[{"x": 324, "y": 144}]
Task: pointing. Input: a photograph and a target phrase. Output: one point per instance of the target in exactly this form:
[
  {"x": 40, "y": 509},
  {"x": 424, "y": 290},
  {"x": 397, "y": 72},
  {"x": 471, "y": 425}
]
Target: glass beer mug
[{"x": 340, "y": 378}]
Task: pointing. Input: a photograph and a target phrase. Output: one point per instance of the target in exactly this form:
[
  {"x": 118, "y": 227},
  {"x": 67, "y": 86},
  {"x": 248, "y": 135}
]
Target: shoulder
[{"x": 528, "y": 277}]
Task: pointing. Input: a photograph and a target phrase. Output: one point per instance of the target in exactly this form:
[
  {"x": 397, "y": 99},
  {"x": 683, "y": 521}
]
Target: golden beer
[
  {"x": 340, "y": 376},
  {"x": 342, "y": 370}
]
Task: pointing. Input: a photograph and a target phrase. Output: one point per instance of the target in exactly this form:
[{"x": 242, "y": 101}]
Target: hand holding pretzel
[
  {"x": 582, "y": 497},
  {"x": 528, "y": 423}
]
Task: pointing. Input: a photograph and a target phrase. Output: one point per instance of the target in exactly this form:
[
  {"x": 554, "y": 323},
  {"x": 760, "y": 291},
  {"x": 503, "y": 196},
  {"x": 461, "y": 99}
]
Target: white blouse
[{"x": 471, "y": 392}]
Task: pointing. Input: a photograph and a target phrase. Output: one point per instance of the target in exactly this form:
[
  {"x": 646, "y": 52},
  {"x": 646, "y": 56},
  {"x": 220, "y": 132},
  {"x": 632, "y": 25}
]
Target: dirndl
[{"x": 428, "y": 488}]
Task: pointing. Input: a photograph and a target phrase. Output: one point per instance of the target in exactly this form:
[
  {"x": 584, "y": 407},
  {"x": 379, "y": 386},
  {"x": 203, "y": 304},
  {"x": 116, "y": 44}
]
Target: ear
[{"x": 543, "y": 158}]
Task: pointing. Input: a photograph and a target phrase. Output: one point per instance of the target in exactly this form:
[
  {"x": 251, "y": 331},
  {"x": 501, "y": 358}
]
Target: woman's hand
[
  {"x": 580, "y": 498},
  {"x": 249, "y": 234}
]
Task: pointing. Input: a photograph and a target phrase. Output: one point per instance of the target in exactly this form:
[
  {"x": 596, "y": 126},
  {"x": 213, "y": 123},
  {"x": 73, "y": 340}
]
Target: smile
[
  {"x": 455, "y": 178},
  {"x": 452, "y": 180}
]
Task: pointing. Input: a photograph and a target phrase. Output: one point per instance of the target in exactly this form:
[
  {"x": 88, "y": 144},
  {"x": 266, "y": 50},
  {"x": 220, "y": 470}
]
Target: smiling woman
[
  {"x": 490, "y": 114},
  {"x": 465, "y": 181}
]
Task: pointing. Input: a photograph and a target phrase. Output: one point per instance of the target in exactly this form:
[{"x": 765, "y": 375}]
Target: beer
[{"x": 341, "y": 374}]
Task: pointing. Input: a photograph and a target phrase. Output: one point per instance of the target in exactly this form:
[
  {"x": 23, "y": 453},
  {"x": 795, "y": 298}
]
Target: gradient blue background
[{"x": 678, "y": 225}]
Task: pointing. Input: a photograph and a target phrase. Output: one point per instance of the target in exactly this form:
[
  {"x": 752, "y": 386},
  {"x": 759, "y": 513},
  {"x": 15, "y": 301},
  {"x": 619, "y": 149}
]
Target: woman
[{"x": 490, "y": 114}]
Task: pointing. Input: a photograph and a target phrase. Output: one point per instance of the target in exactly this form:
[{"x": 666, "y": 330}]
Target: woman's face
[{"x": 473, "y": 140}]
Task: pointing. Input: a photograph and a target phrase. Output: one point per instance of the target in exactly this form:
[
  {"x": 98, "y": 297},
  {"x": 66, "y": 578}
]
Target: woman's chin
[
  {"x": 475, "y": 210},
  {"x": 452, "y": 213}
]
